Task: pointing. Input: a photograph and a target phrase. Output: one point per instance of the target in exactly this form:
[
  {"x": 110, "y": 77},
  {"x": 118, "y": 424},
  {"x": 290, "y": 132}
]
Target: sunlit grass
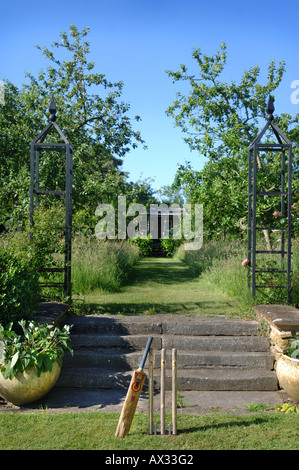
[
  {"x": 220, "y": 267},
  {"x": 95, "y": 431}
]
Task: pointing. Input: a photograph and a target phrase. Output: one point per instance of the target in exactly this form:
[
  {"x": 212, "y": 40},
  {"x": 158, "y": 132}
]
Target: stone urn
[
  {"x": 287, "y": 370},
  {"x": 26, "y": 387}
]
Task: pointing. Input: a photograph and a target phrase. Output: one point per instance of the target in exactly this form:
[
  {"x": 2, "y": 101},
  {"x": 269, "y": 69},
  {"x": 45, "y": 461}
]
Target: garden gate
[
  {"x": 264, "y": 183},
  {"x": 38, "y": 146}
]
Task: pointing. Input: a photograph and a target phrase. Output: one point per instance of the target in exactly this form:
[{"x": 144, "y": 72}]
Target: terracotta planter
[
  {"x": 287, "y": 370},
  {"x": 27, "y": 387}
]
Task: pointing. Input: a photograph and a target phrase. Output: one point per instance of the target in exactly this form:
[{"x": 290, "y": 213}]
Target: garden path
[{"x": 165, "y": 285}]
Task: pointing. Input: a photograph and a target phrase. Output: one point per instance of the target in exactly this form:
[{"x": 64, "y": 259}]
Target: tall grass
[
  {"x": 101, "y": 264},
  {"x": 201, "y": 260},
  {"x": 221, "y": 266},
  {"x": 295, "y": 272}
]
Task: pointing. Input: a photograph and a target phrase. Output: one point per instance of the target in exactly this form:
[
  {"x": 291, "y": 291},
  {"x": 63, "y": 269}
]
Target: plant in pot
[
  {"x": 30, "y": 360},
  {"x": 287, "y": 369}
]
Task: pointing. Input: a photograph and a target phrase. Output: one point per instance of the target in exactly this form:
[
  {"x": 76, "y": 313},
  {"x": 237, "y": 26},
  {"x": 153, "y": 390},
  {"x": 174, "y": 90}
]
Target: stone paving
[{"x": 60, "y": 400}]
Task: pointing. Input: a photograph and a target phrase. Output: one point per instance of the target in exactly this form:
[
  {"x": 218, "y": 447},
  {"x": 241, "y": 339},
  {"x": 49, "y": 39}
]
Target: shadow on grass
[
  {"x": 252, "y": 421},
  {"x": 155, "y": 308}
]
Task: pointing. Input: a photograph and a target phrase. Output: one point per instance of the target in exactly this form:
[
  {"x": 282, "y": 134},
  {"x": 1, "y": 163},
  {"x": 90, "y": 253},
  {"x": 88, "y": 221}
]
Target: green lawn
[
  {"x": 165, "y": 285},
  {"x": 95, "y": 431}
]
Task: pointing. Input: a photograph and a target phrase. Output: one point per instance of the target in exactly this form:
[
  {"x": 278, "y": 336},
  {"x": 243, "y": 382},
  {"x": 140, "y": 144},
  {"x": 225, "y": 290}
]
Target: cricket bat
[{"x": 133, "y": 394}]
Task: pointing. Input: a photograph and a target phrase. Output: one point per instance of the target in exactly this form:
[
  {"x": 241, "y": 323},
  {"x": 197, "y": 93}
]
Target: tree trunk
[
  {"x": 265, "y": 231},
  {"x": 267, "y": 239}
]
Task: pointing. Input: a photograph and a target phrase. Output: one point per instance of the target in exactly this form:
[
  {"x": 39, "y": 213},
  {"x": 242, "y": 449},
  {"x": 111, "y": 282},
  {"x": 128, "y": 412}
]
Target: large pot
[
  {"x": 287, "y": 370},
  {"x": 26, "y": 387}
]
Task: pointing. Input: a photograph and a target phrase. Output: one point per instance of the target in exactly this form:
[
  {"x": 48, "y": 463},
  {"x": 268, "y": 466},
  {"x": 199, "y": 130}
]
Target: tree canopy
[
  {"x": 90, "y": 113},
  {"x": 219, "y": 120}
]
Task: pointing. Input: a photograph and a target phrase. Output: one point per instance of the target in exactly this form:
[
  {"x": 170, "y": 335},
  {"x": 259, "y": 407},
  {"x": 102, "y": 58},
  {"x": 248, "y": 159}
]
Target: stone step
[
  {"x": 213, "y": 343},
  {"x": 162, "y": 324},
  {"x": 124, "y": 360},
  {"x": 211, "y": 327},
  {"x": 111, "y": 324},
  {"x": 114, "y": 341},
  {"x": 214, "y": 353},
  {"x": 200, "y": 379},
  {"x": 201, "y": 343}
]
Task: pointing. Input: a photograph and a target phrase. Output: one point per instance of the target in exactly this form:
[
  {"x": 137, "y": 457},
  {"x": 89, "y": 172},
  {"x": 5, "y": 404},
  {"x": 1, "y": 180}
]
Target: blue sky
[{"x": 136, "y": 41}]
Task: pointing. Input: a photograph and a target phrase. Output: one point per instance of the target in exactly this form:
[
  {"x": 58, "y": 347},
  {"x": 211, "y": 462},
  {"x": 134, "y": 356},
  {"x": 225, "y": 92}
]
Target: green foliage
[
  {"x": 101, "y": 264},
  {"x": 219, "y": 266},
  {"x": 47, "y": 235},
  {"x": 287, "y": 408},
  {"x": 170, "y": 245},
  {"x": 145, "y": 244},
  {"x": 19, "y": 288},
  {"x": 92, "y": 116},
  {"x": 265, "y": 263},
  {"x": 40, "y": 246},
  {"x": 293, "y": 349},
  {"x": 220, "y": 120},
  {"x": 258, "y": 407},
  {"x": 283, "y": 221},
  {"x": 39, "y": 345},
  {"x": 271, "y": 292},
  {"x": 222, "y": 189},
  {"x": 201, "y": 260}
]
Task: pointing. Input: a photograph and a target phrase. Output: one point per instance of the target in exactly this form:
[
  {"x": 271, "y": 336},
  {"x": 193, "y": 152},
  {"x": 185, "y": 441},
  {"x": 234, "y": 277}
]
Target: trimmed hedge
[{"x": 145, "y": 244}]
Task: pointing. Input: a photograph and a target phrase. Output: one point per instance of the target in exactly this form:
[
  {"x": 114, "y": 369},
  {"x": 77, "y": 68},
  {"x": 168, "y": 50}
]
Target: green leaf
[
  {"x": 47, "y": 363},
  {"x": 38, "y": 361},
  {"x": 14, "y": 359},
  {"x": 2, "y": 352}
]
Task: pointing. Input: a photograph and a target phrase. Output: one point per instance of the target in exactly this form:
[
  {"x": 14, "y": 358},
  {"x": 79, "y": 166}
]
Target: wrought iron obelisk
[
  {"x": 38, "y": 146},
  {"x": 284, "y": 193}
]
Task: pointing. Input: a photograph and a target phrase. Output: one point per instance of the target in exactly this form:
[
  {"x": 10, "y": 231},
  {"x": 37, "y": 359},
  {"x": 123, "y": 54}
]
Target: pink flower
[
  {"x": 276, "y": 214},
  {"x": 246, "y": 262},
  {"x": 293, "y": 207}
]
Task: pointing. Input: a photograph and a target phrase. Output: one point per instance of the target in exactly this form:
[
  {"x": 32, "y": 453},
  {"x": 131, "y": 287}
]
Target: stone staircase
[
  {"x": 157, "y": 250},
  {"x": 214, "y": 353}
]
